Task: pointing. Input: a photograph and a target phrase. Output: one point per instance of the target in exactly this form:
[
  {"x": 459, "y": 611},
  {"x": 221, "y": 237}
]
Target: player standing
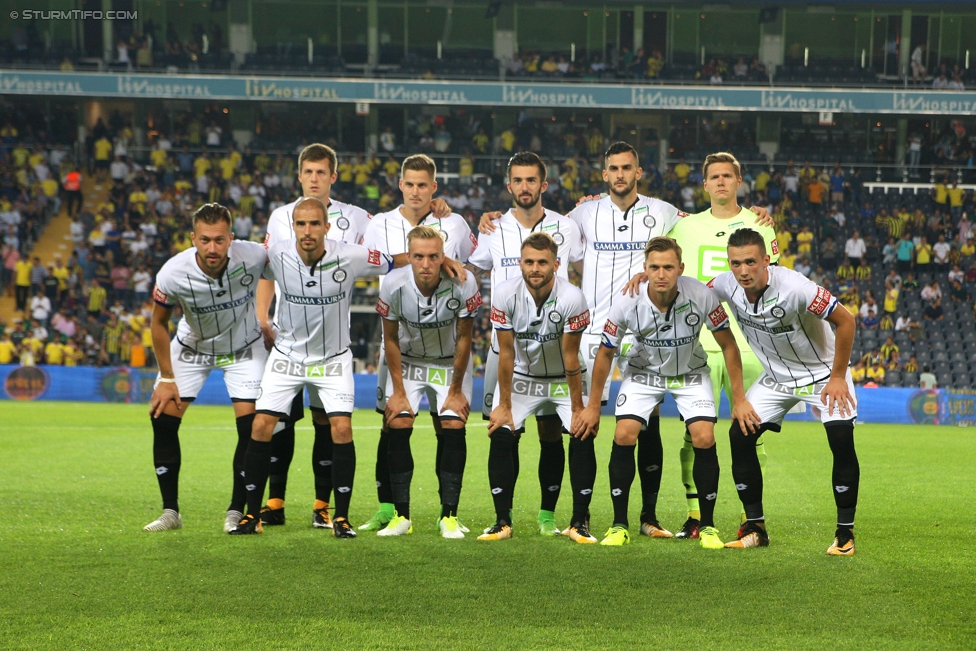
[
  {"x": 785, "y": 317},
  {"x": 316, "y": 175},
  {"x": 703, "y": 238},
  {"x": 666, "y": 317},
  {"x": 311, "y": 350},
  {"x": 427, "y": 321},
  {"x": 539, "y": 320},
  {"x": 214, "y": 283},
  {"x": 499, "y": 253},
  {"x": 387, "y": 233}
]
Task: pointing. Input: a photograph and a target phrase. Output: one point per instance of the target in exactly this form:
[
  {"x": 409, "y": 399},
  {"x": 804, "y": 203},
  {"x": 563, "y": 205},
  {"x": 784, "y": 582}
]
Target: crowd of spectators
[{"x": 879, "y": 253}]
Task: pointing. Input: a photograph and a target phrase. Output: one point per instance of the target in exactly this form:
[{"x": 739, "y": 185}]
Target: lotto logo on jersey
[
  {"x": 610, "y": 328},
  {"x": 160, "y": 296},
  {"x": 375, "y": 257},
  {"x": 382, "y": 307},
  {"x": 820, "y": 303},
  {"x": 718, "y": 316},
  {"x": 579, "y": 321},
  {"x": 497, "y": 316},
  {"x": 473, "y": 303}
]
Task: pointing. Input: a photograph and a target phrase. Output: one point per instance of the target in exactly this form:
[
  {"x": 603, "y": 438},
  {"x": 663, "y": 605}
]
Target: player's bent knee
[
  {"x": 627, "y": 431},
  {"x": 263, "y": 427},
  {"x": 341, "y": 429},
  {"x": 702, "y": 433},
  {"x": 401, "y": 422},
  {"x": 452, "y": 424},
  {"x": 550, "y": 429}
]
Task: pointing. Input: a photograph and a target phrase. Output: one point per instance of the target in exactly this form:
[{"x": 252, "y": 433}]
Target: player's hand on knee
[
  {"x": 633, "y": 285},
  {"x": 396, "y": 406},
  {"x": 837, "y": 395},
  {"x": 163, "y": 394},
  {"x": 268, "y": 334},
  {"x": 749, "y": 421},
  {"x": 586, "y": 423},
  {"x": 485, "y": 224},
  {"x": 457, "y": 403},
  {"x": 500, "y": 417}
]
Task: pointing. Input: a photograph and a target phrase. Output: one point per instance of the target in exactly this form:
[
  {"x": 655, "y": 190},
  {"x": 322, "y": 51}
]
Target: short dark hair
[
  {"x": 621, "y": 147},
  {"x": 316, "y": 152},
  {"x": 311, "y": 202},
  {"x": 527, "y": 159},
  {"x": 747, "y": 237},
  {"x": 212, "y": 214},
  {"x": 541, "y": 242},
  {"x": 662, "y": 244}
]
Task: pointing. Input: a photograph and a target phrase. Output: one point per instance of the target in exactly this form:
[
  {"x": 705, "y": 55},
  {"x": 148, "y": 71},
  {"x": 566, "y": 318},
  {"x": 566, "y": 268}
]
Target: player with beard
[{"x": 500, "y": 253}]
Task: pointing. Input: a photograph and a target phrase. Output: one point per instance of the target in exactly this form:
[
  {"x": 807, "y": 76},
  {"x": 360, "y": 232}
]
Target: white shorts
[
  {"x": 331, "y": 386},
  {"x": 432, "y": 377},
  {"x": 590, "y": 345},
  {"x": 641, "y": 392},
  {"x": 772, "y": 400},
  {"x": 541, "y": 397},
  {"x": 242, "y": 370}
]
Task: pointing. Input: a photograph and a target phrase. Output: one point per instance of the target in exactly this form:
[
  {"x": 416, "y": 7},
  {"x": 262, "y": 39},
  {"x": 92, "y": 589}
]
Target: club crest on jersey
[
  {"x": 247, "y": 279},
  {"x": 692, "y": 319},
  {"x": 339, "y": 275},
  {"x": 621, "y": 399},
  {"x": 555, "y": 317},
  {"x": 342, "y": 223},
  {"x": 558, "y": 238},
  {"x": 649, "y": 221},
  {"x": 778, "y": 312},
  {"x": 453, "y": 304},
  {"x": 382, "y": 307}
]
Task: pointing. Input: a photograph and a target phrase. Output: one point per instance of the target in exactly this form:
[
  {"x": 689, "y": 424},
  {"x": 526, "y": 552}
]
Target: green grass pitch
[{"x": 77, "y": 571}]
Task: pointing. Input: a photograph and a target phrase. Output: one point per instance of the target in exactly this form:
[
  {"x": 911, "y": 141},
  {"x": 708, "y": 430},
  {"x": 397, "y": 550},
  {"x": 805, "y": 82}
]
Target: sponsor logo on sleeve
[
  {"x": 497, "y": 316},
  {"x": 682, "y": 214},
  {"x": 267, "y": 236},
  {"x": 375, "y": 257},
  {"x": 382, "y": 307},
  {"x": 160, "y": 297},
  {"x": 579, "y": 321},
  {"x": 820, "y": 303},
  {"x": 610, "y": 328},
  {"x": 474, "y": 302},
  {"x": 711, "y": 284},
  {"x": 473, "y": 239},
  {"x": 774, "y": 247},
  {"x": 718, "y": 316}
]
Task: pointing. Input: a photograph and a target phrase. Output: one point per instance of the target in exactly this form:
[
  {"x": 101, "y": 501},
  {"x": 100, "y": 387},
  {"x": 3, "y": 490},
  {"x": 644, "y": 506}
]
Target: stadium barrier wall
[
  {"x": 488, "y": 93},
  {"x": 123, "y": 384}
]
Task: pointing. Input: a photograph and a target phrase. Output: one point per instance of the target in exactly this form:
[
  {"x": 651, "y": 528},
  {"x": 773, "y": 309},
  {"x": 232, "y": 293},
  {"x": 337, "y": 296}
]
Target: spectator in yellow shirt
[
  {"x": 858, "y": 372},
  {"x": 876, "y": 372},
  {"x": 8, "y": 350},
  {"x": 845, "y": 271},
  {"x": 201, "y": 165},
  {"x": 53, "y": 353}
]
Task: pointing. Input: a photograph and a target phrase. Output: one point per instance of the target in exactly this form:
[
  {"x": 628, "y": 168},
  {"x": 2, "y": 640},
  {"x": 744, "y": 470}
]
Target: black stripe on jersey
[
  {"x": 813, "y": 348},
  {"x": 736, "y": 288},
  {"x": 596, "y": 263},
  {"x": 233, "y": 315},
  {"x": 193, "y": 297}
]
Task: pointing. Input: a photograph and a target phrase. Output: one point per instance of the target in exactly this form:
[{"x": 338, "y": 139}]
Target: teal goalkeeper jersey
[{"x": 704, "y": 239}]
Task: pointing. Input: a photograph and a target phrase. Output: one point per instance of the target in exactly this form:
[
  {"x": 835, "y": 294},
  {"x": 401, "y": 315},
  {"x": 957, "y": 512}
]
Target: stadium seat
[
  {"x": 892, "y": 379},
  {"x": 940, "y": 356},
  {"x": 909, "y": 379},
  {"x": 944, "y": 379}
]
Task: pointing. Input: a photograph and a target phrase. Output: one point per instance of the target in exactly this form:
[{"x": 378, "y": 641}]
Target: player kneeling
[
  {"x": 539, "y": 321},
  {"x": 666, "y": 316},
  {"x": 427, "y": 320}
]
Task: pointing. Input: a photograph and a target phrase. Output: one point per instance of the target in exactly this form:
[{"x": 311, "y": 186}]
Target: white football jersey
[
  {"x": 427, "y": 324},
  {"x": 614, "y": 242},
  {"x": 219, "y": 316},
  {"x": 348, "y": 223},
  {"x": 313, "y": 316},
  {"x": 786, "y": 326},
  {"x": 666, "y": 343},
  {"x": 539, "y": 330},
  {"x": 388, "y": 231},
  {"x": 501, "y": 251}
]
